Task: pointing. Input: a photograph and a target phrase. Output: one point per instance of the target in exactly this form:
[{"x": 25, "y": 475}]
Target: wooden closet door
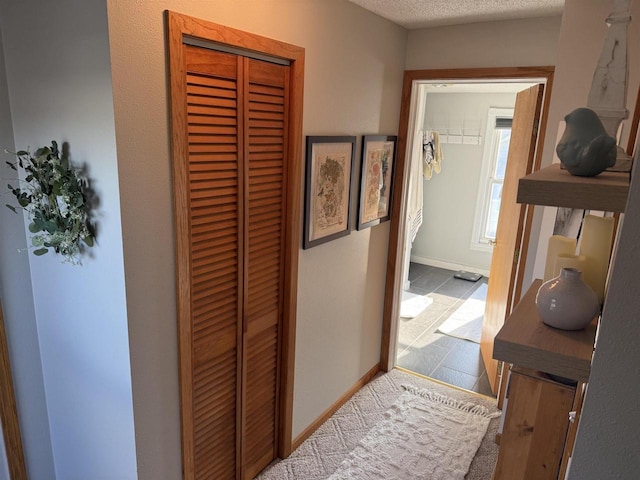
[
  {"x": 214, "y": 122},
  {"x": 236, "y": 116},
  {"x": 236, "y": 131},
  {"x": 266, "y": 121}
]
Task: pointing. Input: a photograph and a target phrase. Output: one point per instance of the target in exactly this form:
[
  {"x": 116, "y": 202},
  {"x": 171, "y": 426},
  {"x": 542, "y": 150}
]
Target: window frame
[{"x": 489, "y": 158}]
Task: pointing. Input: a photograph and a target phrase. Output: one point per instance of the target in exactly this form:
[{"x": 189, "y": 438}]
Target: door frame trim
[
  {"x": 398, "y": 202},
  {"x": 178, "y": 27}
]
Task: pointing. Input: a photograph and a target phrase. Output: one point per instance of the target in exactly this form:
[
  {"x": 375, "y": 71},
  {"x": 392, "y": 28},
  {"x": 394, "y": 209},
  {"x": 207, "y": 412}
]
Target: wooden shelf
[
  {"x": 553, "y": 186},
  {"x": 527, "y": 342}
]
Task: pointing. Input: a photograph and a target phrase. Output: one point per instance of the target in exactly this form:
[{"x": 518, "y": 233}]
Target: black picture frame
[
  {"x": 328, "y": 185},
  {"x": 376, "y": 179}
]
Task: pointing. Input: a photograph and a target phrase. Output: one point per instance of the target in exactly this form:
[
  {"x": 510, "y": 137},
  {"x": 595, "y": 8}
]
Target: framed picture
[
  {"x": 328, "y": 189},
  {"x": 378, "y": 160}
]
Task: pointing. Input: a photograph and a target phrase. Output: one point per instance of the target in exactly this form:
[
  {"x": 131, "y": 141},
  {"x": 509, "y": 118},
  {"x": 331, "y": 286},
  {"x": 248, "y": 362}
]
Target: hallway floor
[{"x": 423, "y": 350}]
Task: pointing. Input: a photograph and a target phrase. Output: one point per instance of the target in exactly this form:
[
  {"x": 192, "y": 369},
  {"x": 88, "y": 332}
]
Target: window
[{"x": 494, "y": 164}]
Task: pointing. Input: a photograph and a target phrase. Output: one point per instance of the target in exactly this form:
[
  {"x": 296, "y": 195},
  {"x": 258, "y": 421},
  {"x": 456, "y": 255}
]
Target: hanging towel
[
  {"x": 437, "y": 157},
  {"x": 431, "y": 154},
  {"x": 428, "y": 154},
  {"x": 414, "y": 198}
]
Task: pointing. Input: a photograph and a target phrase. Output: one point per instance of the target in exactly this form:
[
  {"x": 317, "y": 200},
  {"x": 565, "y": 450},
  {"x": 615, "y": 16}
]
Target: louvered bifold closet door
[
  {"x": 216, "y": 221},
  {"x": 266, "y": 106}
]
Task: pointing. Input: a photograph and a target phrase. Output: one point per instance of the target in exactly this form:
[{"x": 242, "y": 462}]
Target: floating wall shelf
[
  {"x": 553, "y": 186},
  {"x": 525, "y": 341}
]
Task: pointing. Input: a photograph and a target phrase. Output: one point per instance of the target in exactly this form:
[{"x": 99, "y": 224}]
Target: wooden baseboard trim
[{"x": 307, "y": 432}]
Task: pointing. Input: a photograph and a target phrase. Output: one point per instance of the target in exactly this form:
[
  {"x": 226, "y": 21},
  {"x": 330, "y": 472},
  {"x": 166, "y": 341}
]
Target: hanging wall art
[
  {"x": 376, "y": 174},
  {"x": 328, "y": 189}
]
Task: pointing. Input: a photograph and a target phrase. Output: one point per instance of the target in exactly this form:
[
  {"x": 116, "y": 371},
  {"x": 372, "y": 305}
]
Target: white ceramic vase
[{"x": 567, "y": 302}]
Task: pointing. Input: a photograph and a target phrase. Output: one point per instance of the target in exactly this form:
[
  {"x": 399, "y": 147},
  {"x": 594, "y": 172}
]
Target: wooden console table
[{"x": 537, "y": 436}]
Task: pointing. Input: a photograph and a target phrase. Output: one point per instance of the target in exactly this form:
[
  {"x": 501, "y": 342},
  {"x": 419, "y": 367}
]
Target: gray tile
[
  {"x": 408, "y": 332},
  {"x": 432, "y": 280},
  {"x": 444, "y": 299},
  {"x": 465, "y": 357},
  {"x": 416, "y": 270},
  {"x": 454, "y": 377},
  {"x": 482, "y": 386},
  {"x": 418, "y": 290},
  {"x": 438, "y": 339},
  {"x": 455, "y": 288},
  {"x": 422, "y": 360},
  {"x": 434, "y": 314}
]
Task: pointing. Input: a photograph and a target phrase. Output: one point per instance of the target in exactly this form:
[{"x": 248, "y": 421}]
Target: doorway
[
  {"x": 450, "y": 252},
  {"x": 412, "y": 124}
]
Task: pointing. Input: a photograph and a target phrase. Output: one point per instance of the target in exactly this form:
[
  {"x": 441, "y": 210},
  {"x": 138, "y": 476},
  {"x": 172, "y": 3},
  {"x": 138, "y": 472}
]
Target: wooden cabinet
[
  {"x": 537, "y": 435},
  {"x": 536, "y": 426}
]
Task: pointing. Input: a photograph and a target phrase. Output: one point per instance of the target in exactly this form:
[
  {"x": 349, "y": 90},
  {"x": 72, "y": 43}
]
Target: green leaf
[
  {"x": 29, "y": 178},
  {"x": 89, "y": 241},
  {"x": 24, "y": 200},
  {"x": 11, "y": 165},
  {"x": 50, "y": 226},
  {"x": 40, "y": 251},
  {"x": 57, "y": 188},
  {"x": 22, "y": 152},
  {"x": 79, "y": 201},
  {"x": 11, "y": 207},
  {"x": 33, "y": 228}
]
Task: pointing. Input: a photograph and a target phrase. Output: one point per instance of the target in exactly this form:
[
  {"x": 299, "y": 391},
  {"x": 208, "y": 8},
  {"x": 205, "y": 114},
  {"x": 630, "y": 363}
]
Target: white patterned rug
[
  {"x": 423, "y": 435},
  {"x": 322, "y": 453}
]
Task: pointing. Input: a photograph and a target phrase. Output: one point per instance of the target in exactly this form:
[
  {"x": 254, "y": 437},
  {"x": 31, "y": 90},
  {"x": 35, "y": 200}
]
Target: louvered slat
[
  {"x": 266, "y": 124},
  {"x": 214, "y": 189}
]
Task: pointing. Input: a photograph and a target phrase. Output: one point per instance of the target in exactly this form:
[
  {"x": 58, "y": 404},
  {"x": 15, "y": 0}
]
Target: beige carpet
[{"x": 322, "y": 453}]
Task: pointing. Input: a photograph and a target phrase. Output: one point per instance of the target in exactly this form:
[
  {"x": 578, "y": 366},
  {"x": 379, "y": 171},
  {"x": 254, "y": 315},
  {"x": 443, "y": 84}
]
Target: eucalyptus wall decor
[{"x": 53, "y": 195}]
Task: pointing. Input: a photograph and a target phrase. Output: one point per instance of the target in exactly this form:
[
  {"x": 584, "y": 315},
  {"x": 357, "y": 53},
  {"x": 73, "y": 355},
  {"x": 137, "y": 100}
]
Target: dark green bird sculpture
[{"x": 585, "y": 149}]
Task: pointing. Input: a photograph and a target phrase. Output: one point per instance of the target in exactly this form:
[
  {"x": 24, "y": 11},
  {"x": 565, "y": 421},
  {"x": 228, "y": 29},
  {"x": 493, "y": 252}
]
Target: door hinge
[{"x": 516, "y": 255}]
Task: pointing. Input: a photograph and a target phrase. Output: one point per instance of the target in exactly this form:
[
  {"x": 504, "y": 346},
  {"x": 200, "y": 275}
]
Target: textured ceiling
[{"x": 413, "y": 14}]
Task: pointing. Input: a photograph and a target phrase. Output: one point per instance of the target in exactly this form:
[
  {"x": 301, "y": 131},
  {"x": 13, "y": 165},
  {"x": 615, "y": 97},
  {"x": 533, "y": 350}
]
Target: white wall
[
  {"x": 59, "y": 83},
  {"x": 353, "y": 81},
  {"x": 490, "y": 44},
  {"x": 579, "y": 47},
  {"x": 19, "y": 315},
  {"x": 450, "y": 198}
]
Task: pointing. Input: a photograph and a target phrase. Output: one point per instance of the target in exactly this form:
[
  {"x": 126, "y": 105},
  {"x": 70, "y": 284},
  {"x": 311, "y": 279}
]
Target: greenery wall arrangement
[{"x": 55, "y": 198}]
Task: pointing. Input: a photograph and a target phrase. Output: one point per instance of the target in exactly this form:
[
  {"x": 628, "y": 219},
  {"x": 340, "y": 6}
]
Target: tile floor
[{"x": 423, "y": 350}]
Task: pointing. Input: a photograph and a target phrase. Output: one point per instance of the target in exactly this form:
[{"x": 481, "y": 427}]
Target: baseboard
[
  {"x": 307, "y": 432},
  {"x": 432, "y": 262}
]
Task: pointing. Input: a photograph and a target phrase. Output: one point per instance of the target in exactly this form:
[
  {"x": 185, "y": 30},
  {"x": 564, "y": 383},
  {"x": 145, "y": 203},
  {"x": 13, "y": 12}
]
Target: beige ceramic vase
[{"x": 567, "y": 302}]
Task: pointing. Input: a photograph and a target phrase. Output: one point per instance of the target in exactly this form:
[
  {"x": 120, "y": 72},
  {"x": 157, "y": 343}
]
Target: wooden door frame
[
  {"x": 180, "y": 26},
  {"x": 9, "y": 412},
  {"x": 399, "y": 199}
]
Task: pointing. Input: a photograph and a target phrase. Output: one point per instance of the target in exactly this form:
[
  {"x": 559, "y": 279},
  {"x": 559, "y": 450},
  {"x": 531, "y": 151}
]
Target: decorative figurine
[{"x": 585, "y": 149}]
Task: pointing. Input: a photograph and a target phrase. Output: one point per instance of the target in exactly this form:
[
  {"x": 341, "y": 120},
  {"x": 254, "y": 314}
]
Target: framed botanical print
[
  {"x": 376, "y": 175},
  {"x": 328, "y": 189}
]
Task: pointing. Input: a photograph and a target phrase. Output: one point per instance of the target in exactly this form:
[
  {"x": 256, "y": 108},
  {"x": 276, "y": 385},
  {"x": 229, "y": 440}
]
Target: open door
[{"x": 511, "y": 220}]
